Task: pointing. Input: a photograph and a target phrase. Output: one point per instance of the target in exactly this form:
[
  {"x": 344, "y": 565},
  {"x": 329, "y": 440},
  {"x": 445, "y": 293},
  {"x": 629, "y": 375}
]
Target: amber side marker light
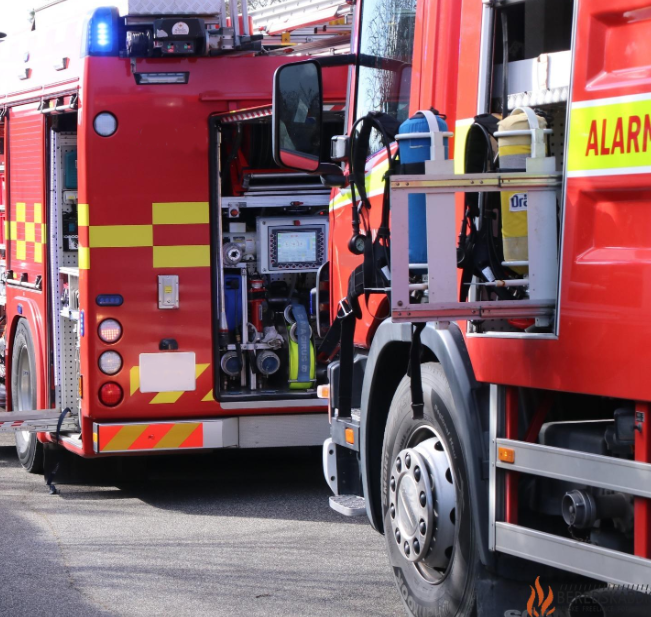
[
  {"x": 323, "y": 391},
  {"x": 506, "y": 455},
  {"x": 350, "y": 436}
]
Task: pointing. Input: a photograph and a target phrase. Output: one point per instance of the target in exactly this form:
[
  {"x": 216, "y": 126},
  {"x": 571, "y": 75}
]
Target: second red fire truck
[{"x": 157, "y": 266}]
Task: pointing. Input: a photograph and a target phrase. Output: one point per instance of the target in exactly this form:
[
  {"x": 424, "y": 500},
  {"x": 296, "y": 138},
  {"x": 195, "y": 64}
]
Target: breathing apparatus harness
[{"x": 372, "y": 276}]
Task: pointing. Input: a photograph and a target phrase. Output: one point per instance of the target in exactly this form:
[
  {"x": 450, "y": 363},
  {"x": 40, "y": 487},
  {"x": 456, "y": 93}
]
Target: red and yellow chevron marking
[
  {"x": 142, "y": 437},
  {"x": 163, "y": 397}
]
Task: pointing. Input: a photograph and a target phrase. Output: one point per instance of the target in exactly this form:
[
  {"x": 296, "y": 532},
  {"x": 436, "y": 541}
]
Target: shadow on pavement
[{"x": 283, "y": 483}]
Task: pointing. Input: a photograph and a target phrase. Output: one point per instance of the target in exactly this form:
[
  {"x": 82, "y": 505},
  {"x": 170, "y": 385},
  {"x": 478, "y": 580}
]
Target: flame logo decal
[{"x": 542, "y": 609}]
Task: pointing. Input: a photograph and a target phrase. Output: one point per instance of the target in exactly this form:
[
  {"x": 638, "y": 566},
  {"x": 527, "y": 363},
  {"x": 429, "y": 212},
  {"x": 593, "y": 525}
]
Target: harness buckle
[{"x": 345, "y": 308}]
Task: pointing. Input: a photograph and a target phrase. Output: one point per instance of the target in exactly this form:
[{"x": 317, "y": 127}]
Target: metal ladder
[{"x": 37, "y": 421}]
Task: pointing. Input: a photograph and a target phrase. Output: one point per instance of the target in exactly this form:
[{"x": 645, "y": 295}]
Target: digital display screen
[{"x": 297, "y": 246}]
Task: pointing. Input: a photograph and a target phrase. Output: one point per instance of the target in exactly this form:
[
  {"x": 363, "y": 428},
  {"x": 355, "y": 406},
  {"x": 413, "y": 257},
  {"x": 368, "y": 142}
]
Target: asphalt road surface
[{"x": 228, "y": 533}]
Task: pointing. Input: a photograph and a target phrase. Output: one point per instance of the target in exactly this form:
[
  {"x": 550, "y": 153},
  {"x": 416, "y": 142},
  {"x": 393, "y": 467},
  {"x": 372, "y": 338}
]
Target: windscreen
[{"x": 386, "y": 49}]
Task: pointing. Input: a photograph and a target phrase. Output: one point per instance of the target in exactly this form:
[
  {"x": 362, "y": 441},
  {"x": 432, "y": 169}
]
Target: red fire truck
[
  {"x": 157, "y": 266},
  {"x": 490, "y": 402}
]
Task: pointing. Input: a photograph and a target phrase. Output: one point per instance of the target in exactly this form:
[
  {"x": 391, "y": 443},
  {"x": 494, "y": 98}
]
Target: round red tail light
[{"x": 110, "y": 394}]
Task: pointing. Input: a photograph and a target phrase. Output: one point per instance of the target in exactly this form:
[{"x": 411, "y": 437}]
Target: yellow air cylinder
[{"x": 513, "y": 152}]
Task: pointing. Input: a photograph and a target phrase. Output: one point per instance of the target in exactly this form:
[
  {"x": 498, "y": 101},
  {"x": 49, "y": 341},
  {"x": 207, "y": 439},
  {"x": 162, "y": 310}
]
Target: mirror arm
[{"x": 341, "y": 60}]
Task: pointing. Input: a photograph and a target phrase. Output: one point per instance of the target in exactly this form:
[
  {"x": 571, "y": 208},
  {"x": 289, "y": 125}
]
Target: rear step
[
  {"x": 348, "y": 505},
  {"x": 36, "y": 421}
]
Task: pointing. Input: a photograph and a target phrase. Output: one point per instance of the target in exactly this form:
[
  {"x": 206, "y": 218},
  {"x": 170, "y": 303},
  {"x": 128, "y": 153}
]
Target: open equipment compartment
[
  {"x": 269, "y": 258},
  {"x": 501, "y": 275}
]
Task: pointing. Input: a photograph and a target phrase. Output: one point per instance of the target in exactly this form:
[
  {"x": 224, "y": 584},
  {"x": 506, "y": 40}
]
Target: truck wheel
[
  {"x": 23, "y": 396},
  {"x": 426, "y": 503}
]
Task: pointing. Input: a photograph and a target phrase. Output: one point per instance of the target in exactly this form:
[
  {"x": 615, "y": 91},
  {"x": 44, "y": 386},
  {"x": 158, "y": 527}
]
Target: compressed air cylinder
[
  {"x": 513, "y": 152},
  {"x": 417, "y": 150}
]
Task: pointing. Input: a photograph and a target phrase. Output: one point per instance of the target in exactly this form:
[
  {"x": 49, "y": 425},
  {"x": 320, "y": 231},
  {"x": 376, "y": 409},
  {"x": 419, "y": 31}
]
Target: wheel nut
[
  {"x": 393, "y": 483},
  {"x": 417, "y": 473},
  {"x": 398, "y": 464},
  {"x": 406, "y": 547},
  {"x": 416, "y": 547},
  {"x": 423, "y": 527},
  {"x": 423, "y": 500},
  {"x": 408, "y": 461},
  {"x": 397, "y": 535},
  {"x": 392, "y": 509}
]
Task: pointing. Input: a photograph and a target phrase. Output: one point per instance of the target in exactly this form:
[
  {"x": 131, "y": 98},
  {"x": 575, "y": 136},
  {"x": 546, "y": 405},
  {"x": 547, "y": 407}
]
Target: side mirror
[{"x": 297, "y": 122}]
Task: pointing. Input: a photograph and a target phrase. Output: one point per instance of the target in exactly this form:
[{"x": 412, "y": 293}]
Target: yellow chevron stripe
[
  {"x": 125, "y": 437},
  {"x": 177, "y": 435},
  {"x": 184, "y": 256},
  {"x": 120, "y": 236},
  {"x": 181, "y": 213},
  {"x": 209, "y": 397},
  {"x": 166, "y": 398},
  {"x": 172, "y": 397},
  {"x": 134, "y": 380}
]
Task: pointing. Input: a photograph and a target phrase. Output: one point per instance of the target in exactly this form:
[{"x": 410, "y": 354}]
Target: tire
[
  {"x": 23, "y": 395},
  {"x": 426, "y": 589}
]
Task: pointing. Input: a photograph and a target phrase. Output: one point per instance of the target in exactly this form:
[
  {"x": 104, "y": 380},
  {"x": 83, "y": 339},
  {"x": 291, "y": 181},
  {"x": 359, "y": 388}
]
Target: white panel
[
  {"x": 167, "y": 372},
  {"x": 170, "y": 7},
  {"x": 284, "y": 431}
]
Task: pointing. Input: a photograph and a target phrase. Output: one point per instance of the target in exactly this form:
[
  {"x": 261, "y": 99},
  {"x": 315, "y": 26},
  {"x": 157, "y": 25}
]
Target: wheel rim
[
  {"x": 422, "y": 505},
  {"x": 24, "y": 395}
]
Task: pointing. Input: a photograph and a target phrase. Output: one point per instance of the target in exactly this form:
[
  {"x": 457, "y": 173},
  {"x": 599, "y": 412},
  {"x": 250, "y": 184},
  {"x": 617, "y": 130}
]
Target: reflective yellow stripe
[
  {"x": 13, "y": 230},
  {"x": 83, "y": 219},
  {"x": 515, "y": 150},
  {"x": 124, "y": 437},
  {"x": 38, "y": 253},
  {"x": 20, "y": 212},
  {"x": 374, "y": 186},
  {"x": 181, "y": 213},
  {"x": 38, "y": 213},
  {"x": 120, "y": 236},
  {"x": 21, "y": 247},
  {"x": 208, "y": 398},
  {"x": 461, "y": 130},
  {"x": 184, "y": 256},
  {"x": 83, "y": 255},
  {"x": 611, "y": 134},
  {"x": 177, "y": 435}
]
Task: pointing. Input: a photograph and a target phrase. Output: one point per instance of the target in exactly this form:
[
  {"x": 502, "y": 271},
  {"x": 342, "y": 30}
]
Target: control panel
[{"x": 292, "y": 244}]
